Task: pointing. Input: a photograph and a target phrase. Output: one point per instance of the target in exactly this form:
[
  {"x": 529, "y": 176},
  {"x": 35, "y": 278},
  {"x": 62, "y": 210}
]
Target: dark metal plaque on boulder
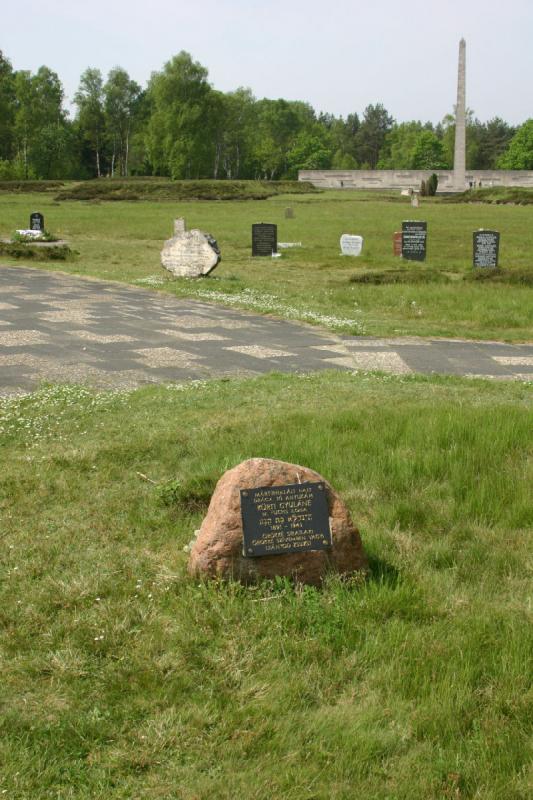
[
  {"x": 486, "y": 248},
  {"x": 285, "y": 519},
  {"x": 36, "y": 221},
  {"x": 414, "y": 240},
  {"x": 264, "y": 239}
]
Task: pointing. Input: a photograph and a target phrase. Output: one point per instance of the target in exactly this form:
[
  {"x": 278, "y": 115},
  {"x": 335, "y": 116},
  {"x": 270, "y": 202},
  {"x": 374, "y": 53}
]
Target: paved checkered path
[{"x": 61, "y": 328}]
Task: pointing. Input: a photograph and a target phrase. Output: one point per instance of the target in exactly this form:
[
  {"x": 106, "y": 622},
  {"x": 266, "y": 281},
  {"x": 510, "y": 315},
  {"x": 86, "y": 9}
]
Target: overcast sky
[{"x": 338, "y": 55}]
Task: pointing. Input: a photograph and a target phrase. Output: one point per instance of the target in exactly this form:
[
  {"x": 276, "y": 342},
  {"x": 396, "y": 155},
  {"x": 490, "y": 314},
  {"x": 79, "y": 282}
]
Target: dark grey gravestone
[
  {"x": 293, "y": 518},
  {"x": 486, "y": 248},
  {"x": 414, "y": 240},
  {"x": 264, "y": 239},
  {"x": 36, "y": 221},
  {"x": 289, "y": 213}
]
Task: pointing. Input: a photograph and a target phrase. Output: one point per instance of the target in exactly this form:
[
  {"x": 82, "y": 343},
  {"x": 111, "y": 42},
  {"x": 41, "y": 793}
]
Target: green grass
[
  {"x": 122, "y": 241},
  {"x": 121, "y": 677}
]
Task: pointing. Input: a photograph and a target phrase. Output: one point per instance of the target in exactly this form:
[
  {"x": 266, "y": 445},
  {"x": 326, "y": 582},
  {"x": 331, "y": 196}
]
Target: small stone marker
[
  {"x": 291, "y": 518},
  {"x": 414, "y": 240},
  {"x": 189, "y": 254},
  {"x": 264, "y": 239},
  {"x": 28, "y": 233},
  {"x": 397, "y": 243},
  {"x": 289, "y": 213},
  {"x": 36, "y": 221},
  {"x": 414, "y": 200},
  {"x": 351, "y": 245},
  {"x": 486, "y": 248},
  {"x": 284, "y": 519}
]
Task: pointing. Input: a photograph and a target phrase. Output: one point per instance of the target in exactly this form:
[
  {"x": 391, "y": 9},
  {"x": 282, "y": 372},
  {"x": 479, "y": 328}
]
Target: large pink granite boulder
[{"x": 218, "y": 548}]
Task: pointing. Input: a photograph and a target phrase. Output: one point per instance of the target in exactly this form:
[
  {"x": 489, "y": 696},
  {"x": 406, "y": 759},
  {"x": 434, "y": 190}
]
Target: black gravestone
[
  {"x": 36, "y": 221},
  {"x": 414, "y": 240},
  {"x": 285, "y": 519},
  {"x": 486, "y": 248},
  {"x": 264, "y": 239}
]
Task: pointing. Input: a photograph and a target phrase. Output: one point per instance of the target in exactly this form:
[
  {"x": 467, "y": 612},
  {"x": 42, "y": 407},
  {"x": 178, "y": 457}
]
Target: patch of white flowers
[
  {"x": 39, "y": 414},
  {"x": 185, "y": 387},
  {"x": 188, "y": 547},
  {"x": 151, "y": 280},
  {"x": 270, "y": 304}
]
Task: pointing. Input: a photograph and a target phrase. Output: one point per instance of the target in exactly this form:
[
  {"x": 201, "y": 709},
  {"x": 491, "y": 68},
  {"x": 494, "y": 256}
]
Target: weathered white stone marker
[
  {"x": 351, "y": 245},
  {"x": 189, "y": 254}
]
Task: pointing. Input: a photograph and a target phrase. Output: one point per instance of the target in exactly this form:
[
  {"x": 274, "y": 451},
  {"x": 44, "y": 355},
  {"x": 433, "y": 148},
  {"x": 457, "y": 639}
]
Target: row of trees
[{"x": 180, "y": 126}]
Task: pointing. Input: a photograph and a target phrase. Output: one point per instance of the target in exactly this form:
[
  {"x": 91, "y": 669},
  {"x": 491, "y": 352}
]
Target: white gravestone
[
  {"x": 30, "y": 233},
  {"x": 351, "y": 245},
  {"x": 189, "y": 254}
]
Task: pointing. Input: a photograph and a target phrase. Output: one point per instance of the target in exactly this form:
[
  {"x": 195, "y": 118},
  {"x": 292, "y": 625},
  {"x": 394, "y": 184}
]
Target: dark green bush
[
  {"x": 391, "y": 276},
  {"x": 432, "y": 183},
  {"x": 61, "y": 252},
  {"x": 497, "y": 195},
  {"x": 165, "y": 189},
  {"x": 519, "y": 277},
  {"x": 189, "y": 495},
  {"x": 30, "y": 186}
]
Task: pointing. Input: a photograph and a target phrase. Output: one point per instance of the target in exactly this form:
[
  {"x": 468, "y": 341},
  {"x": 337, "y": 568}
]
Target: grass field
[
  {"x": 121, "y": 677},
  {"x": 124, "y": 678},
  {"x": 122, "y": 241}
]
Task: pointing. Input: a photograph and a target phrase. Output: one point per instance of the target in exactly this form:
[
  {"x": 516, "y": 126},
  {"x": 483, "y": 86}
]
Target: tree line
[{"x": 181, "y": 127}]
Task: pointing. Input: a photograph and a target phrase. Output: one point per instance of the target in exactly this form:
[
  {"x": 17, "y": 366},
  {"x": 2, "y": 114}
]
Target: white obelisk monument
[{"x": 459, "y": 158}]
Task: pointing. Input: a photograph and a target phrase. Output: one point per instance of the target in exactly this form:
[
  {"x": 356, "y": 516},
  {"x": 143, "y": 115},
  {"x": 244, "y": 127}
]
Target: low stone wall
[{"x": 411, "y": 179}]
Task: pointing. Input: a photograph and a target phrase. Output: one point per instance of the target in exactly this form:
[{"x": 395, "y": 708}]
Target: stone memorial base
[
  {"x": 217, "y": 551},
  {"x": 35, "y": 242}
]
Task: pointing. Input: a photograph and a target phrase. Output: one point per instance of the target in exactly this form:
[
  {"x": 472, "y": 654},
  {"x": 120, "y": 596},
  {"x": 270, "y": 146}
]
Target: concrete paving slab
[{"x": 58, "y": 327}]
